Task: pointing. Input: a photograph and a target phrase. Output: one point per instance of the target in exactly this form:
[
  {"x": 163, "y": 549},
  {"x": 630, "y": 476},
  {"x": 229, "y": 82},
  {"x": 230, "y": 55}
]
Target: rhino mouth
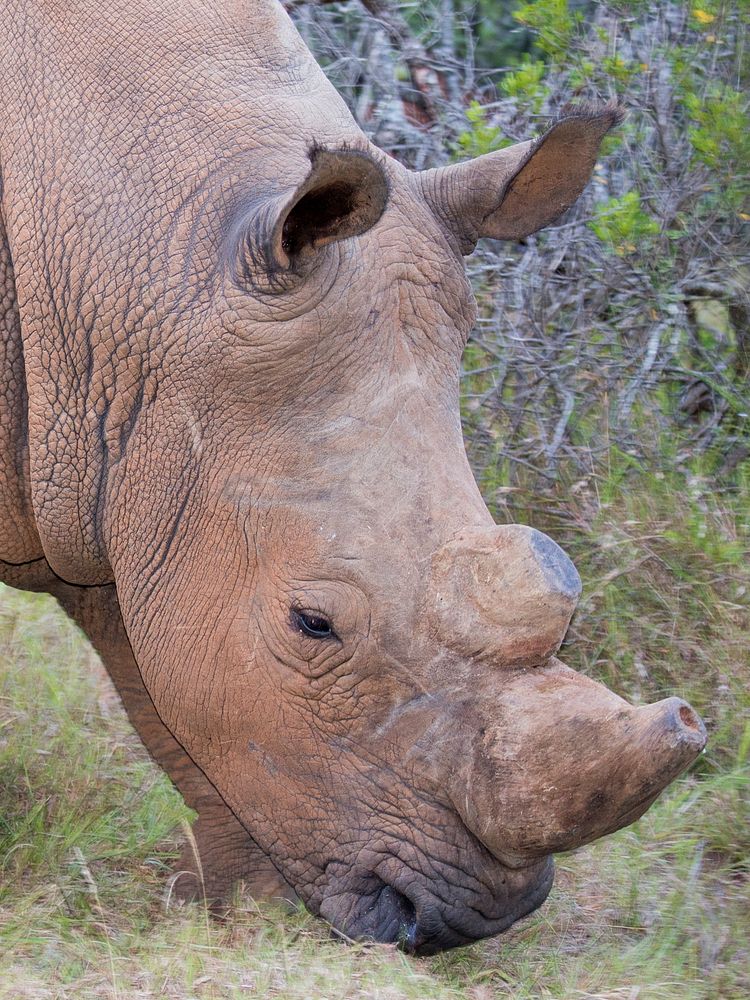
[
  {"x": 391, "y": 917},
  {"x": 396, "y": 906}
]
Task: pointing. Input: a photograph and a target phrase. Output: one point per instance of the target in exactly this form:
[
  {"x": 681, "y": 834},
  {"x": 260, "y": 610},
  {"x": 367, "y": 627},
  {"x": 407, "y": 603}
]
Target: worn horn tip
[{"x": 689, "y": 725}]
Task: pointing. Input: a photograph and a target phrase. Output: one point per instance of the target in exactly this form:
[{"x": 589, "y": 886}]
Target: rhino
[{"x": 230, "y": 446}]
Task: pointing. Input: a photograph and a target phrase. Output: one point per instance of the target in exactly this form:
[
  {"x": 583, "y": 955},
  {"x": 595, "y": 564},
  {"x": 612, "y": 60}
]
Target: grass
[{"x": 88, "y": 826}]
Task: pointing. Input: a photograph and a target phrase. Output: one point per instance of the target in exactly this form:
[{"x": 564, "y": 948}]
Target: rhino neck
[{"x": 111, "y": 191}]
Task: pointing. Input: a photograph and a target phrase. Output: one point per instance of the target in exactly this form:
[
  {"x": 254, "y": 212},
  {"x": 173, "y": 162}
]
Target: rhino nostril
[{"x": 402, "y": 915}]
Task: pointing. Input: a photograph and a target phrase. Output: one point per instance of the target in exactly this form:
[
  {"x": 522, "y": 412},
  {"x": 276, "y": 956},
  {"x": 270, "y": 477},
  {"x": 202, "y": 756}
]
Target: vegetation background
[{"x": 606, "y": 401}]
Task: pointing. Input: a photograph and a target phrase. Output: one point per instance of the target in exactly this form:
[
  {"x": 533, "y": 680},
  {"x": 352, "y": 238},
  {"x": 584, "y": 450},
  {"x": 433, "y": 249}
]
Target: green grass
[{"x": 88, "y": 826}]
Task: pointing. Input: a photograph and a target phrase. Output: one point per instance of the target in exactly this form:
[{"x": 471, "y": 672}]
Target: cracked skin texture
[{"x": 230, "y": 335}]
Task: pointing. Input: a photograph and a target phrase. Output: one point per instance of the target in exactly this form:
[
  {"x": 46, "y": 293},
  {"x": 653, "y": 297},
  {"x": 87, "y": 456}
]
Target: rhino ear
[
  {"x": 344, "y": 195},
  {"x": 516, "y": 191}
]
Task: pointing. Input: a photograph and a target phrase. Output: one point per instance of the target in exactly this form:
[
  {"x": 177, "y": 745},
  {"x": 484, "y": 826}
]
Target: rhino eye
[{"x": 312, "y": 624}]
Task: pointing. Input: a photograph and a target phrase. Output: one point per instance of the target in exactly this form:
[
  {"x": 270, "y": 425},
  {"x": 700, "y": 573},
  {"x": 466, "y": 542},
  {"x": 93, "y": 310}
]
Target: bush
[{"x": 594, "y": 322}]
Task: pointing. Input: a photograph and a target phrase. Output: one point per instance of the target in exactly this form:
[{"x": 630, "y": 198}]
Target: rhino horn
[
  {"x": 515, "y": 191},
  {"x": 517, "y": 590},
  {"x": 576, "y": 761}
]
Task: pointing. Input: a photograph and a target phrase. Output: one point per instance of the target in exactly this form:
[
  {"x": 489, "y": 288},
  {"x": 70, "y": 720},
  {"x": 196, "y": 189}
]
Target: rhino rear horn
[
  {"x": 343, "y": 195},
  {"x": 515, "y": 191}
]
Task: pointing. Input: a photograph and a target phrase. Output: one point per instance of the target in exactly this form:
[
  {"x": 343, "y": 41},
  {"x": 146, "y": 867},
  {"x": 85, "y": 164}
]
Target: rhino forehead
[{"x": 395, "y": 300}]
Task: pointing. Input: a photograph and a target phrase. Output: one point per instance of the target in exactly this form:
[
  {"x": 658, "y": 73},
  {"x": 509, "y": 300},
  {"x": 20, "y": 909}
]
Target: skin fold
[{"x": 230, "y": 445}]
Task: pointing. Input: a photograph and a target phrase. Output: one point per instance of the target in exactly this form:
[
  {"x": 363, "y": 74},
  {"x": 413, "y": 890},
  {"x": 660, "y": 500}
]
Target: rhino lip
[
  {"x": 421, "y": 924},
  {"x": 434, "y": 930}
]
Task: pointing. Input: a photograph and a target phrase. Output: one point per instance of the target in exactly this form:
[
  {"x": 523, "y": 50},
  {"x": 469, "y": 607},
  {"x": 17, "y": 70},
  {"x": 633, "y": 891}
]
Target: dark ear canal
[
  {"x": 344, "y": 195},
  {"x": 319, "y": 217},
  {"x": 278, "y": 241}
]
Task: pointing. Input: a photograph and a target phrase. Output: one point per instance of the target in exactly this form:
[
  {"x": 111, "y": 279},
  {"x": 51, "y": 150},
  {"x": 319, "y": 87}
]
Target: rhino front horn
[
  {"x": 504, "y": 594},
  {"x": 566, "y": 760}
]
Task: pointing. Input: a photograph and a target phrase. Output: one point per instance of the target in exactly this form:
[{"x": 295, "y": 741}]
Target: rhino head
[{"x": 322, "y": 608}]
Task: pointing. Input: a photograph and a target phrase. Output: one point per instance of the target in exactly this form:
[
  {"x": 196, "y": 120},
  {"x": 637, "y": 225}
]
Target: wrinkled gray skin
[{"x": 229, "y": 351}]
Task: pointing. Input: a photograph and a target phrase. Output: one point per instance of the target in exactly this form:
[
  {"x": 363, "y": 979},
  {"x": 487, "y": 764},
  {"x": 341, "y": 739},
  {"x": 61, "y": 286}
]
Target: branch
[{"x": 425, "y": 79}]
